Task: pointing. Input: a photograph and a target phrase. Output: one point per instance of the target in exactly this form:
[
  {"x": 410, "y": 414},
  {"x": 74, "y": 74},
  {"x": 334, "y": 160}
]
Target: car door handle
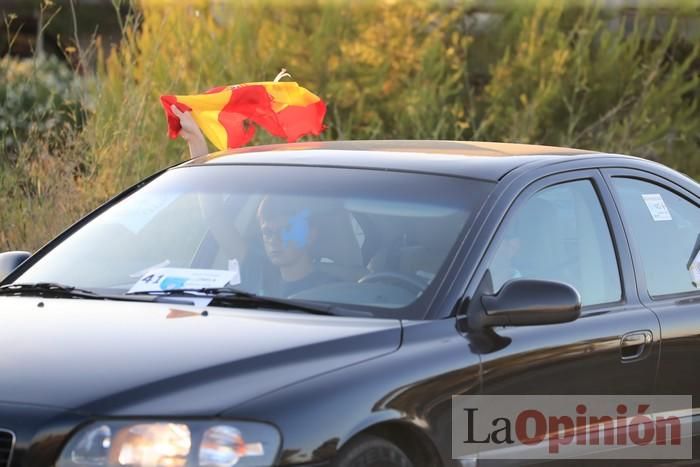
[{"x": 633, "y": 345}]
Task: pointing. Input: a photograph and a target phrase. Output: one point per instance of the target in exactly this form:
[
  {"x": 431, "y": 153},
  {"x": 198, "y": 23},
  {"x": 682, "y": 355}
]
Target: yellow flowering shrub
[{"x": 544, "y": 72}]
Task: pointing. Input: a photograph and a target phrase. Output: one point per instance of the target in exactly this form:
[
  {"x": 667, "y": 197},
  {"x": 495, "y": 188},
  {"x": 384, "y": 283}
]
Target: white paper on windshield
[
  {"x": 694, "y": 270},
  {"x": 182, "y": 278},
  {"x": 236, "y": 270},
  {"x": 657, "y": 207}
]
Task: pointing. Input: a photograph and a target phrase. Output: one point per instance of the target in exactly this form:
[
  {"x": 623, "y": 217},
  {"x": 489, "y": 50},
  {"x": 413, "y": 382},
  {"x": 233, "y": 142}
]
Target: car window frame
[
  {"x": 674, "y": 186},
  {"x": 618, "y": 238}
]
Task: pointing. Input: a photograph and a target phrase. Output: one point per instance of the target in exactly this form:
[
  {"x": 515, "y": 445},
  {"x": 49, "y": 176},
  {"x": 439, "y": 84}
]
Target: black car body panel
[
  {"x": 39, "y": 431},
  {"x": 414, "y": 398},
  {"x": 321, "y": 380},
  {"x": 159, "y": 364}
]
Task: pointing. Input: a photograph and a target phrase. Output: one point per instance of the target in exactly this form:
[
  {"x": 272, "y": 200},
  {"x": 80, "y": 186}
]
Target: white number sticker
[
  {"x": 657, "y": 207},
  {"x": 181, "y": 278}
]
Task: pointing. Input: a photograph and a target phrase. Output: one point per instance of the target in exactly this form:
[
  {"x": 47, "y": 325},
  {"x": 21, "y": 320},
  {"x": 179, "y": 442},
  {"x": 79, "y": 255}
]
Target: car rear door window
[
  {"x": 560, "y": 234},
  {"x": 664, "y": 228}
]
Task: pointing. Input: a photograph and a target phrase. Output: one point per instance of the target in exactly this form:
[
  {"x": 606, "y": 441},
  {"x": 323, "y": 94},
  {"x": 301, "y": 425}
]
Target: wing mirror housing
[
  {"x": 10, "y": 260},
  {"x": 527, "y": 302}
]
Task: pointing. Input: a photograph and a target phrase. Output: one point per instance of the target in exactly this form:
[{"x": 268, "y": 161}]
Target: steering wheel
[{"x": 403, "y": 280}]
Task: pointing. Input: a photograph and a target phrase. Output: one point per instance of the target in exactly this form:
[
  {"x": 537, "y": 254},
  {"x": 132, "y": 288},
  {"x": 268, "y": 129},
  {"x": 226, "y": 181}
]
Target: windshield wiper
[
  {"x": 48, "y": 290},
  {"x": 54, "y": 290},
  {"x": 224, "y": 296},
  {"x": 231, "y": 296}
]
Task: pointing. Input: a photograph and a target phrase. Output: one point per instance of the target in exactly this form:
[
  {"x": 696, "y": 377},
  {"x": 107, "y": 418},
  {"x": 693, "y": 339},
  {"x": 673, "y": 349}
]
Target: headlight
[{"x": 150, "y": 443}]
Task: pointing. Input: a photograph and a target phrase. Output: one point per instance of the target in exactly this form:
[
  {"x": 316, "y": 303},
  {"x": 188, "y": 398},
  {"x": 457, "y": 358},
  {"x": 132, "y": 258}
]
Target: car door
[
  {"x": 561, "y": 228},
  {"x": 662, "y": 222}
]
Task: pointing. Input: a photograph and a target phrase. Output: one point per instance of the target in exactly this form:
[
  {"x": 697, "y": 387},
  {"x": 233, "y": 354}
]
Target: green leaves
[{"x": 37, "y": 97}]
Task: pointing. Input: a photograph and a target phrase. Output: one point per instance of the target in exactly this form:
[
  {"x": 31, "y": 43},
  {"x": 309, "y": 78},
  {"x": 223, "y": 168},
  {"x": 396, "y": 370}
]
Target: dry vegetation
[{"x": 387, "y": 69}]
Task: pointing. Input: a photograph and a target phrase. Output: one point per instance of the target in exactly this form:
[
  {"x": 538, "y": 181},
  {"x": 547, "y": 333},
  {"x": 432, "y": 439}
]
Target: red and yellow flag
[{"x": 226, "y": 114}]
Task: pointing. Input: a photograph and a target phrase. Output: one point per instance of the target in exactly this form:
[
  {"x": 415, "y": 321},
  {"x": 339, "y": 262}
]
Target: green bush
[
  {"x": 541, "y": 73},
  {"x": 573, "y": 80},
  {"x": 40, "y": 97}
]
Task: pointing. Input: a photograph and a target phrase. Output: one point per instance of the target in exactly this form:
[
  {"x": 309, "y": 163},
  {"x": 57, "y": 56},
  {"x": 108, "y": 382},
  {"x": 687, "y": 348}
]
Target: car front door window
[{"x": 560, "y": 234}]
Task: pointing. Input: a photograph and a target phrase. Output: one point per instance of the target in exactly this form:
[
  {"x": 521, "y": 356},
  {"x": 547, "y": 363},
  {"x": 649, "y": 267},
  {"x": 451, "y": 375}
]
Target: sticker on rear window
[
  {"x": 181, "y": 278},
  {"x": 657, "y": 207}
]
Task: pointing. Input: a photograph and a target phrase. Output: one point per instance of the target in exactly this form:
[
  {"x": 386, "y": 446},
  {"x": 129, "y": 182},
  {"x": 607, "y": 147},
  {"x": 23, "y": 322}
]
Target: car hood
[{"x": 135, "y": 358}]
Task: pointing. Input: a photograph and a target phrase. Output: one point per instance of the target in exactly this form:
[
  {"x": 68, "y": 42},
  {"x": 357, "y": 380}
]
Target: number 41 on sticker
[{"x": 152, "y": 279}]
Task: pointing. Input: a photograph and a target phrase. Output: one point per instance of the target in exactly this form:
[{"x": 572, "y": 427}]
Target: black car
[{"x": 321, "y": 303}]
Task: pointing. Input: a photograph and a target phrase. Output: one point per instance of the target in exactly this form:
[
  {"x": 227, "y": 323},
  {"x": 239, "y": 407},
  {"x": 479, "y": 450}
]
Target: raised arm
[
  {"x": 213, "y": 210},
  {"x": 191, "y": 133}
]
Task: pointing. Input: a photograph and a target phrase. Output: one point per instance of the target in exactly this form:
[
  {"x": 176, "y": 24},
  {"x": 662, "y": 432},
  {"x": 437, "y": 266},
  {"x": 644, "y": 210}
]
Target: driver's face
[{"x": 279, "y": 251}]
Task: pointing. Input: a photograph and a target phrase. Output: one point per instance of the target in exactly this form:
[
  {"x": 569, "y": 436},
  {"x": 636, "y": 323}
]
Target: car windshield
[{"x": 361, "y": 238}]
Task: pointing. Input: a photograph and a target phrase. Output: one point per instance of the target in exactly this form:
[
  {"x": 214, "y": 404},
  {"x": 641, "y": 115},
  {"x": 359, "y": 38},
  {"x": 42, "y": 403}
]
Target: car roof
[{"x": 488, "y": 161}]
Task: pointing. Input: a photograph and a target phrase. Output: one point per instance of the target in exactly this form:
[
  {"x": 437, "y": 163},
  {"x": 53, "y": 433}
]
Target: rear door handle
[{"x": 633, "y": 345}]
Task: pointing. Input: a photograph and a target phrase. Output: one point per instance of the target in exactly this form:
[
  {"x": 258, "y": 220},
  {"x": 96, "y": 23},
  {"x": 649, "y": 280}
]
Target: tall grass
[{"x": 540, "y": 73}]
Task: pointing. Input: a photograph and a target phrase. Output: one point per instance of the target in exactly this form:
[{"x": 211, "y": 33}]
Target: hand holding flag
[
  {"x": 226, "y": 114},
  {"x": 191, "y": 133}
]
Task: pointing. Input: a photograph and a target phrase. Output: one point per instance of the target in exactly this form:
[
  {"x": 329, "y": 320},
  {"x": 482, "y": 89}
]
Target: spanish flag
[{"x": 226, "y": 114}]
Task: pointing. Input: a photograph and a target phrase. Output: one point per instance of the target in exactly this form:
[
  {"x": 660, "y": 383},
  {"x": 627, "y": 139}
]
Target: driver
[{"x": 288, "y": 233}]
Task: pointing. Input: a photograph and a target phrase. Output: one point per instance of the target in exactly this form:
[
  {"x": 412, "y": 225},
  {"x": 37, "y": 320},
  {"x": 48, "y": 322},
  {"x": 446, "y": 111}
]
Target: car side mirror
[
  {"x": 10, "y": 260},
  {"x": 526, "y": 302}
]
